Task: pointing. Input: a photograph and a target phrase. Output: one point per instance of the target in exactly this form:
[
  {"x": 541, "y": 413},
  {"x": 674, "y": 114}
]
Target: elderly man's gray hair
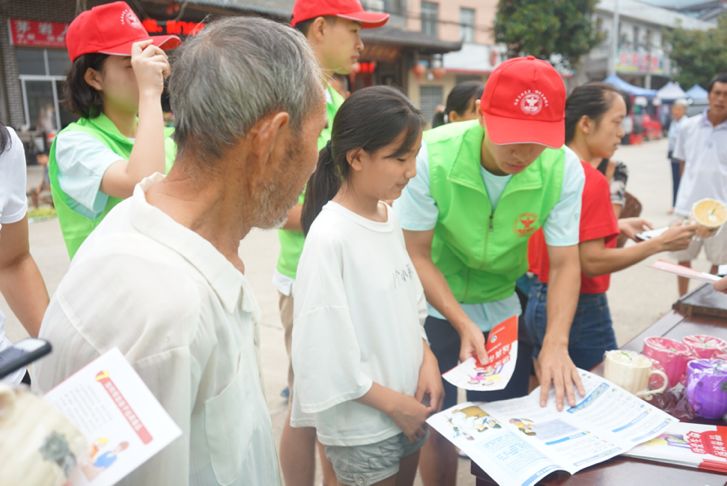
[{"x": 232, "y": 74}]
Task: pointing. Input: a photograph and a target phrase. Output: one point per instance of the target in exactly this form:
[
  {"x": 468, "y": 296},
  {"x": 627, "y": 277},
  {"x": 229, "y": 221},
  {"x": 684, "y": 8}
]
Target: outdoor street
[{"x": 638, "y": 296}]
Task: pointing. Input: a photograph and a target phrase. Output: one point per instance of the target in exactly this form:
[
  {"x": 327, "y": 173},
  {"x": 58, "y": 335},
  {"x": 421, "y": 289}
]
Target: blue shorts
[{"x": 591, "y": 334}]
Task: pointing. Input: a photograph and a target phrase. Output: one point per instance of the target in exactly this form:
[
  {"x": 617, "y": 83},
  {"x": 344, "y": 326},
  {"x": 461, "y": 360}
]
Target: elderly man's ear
[{"x": 267, "y": 133}]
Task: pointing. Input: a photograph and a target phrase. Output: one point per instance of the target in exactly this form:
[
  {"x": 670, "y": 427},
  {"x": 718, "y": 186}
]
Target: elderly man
[
  {"x": 701, "y": 149},
  {"x": 678, "y": 118},
  {"x": 161, "y": 278}
]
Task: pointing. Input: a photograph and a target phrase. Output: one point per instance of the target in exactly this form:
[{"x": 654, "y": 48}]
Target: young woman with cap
[
  {"x": 333, "y": 31},
  {"x": 593, "y": 119},
  {"x": 461, "y": 104},
  {"x": 482, "y": 189},
  {"x": 115, "y": 85}
]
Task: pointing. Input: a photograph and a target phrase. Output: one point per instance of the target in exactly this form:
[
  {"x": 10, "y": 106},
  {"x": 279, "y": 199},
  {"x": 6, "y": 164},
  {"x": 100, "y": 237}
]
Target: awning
[
  {"x": 628, "y": 88},
  {"x": 472, "y": 59},
  {"x": 671, "y": 92},
  {"x": 424, "y": 43},
  {"x": 698, "y": 94}
]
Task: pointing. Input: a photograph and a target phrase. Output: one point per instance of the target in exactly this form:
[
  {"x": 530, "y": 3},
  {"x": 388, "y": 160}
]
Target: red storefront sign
[
  {"x": 176, "y": 27},
  {"x": 37, "y": 34}
]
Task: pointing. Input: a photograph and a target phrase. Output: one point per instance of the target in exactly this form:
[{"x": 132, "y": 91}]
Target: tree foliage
[
  {"x": 698, "y": 54},
  {"x": 543, "y": 28}
]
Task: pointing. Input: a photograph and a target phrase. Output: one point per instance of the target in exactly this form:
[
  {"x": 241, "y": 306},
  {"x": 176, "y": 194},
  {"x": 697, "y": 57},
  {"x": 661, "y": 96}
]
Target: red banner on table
[{"x": 32, "y": 33}]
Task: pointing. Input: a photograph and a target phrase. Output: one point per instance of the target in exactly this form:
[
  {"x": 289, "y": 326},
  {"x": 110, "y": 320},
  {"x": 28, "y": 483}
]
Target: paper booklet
[
  {"x": 683, "y": 271},
  {"x": 517, "y": 442},
  {"x": 690, "y": 445},
  {"x": 494, "y": 375},
  {"x": 122, "y": 421}
]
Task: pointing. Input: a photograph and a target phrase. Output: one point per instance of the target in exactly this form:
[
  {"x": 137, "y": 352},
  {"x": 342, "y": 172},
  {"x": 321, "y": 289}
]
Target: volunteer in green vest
[
  {"x": 332, "y": 29},
  {"x": 482, "y": 188},
  {"x": 115, "y": 85}
]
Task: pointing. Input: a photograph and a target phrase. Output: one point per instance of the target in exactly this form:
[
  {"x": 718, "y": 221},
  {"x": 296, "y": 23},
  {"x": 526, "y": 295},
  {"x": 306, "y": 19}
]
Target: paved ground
[{"x": 638, "y": 295}]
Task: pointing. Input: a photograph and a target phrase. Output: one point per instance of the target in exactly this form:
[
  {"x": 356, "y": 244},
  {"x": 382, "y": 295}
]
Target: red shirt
[{"x": 597, "y": 221}]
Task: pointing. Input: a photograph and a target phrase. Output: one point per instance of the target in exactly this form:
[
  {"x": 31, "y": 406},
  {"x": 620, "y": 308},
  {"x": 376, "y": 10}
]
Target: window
[
  {"x": 42, "y": 76},
  {"x": 394, "y": 7},
  {"x": 467, "y": 22},
  {"x": 430, "y": 14},
  {"x": 429, "y": 98}
]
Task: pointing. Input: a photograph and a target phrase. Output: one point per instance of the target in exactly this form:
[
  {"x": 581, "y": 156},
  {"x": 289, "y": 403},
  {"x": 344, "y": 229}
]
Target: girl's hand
[
  {"x": 630, "y": 227},
  {"x": 430, "y": 390},
  {"x": 410, "y": 416},
  {"x": 677, "y": 237},
  {"x": 151, "y": 66}
]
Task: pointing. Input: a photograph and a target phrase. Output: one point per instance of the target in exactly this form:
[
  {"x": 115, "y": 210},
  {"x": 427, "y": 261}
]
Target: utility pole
[{"x": 614, "y": 39}]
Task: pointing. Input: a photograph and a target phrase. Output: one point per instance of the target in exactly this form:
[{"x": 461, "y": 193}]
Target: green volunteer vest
[
  {"x": 481, "y": 251},
  {"x": 291, "y": 242},
  {"x": 76, "y": 226}
]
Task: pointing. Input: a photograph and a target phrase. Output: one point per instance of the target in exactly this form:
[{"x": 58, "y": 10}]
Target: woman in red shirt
[{"x": 594, "y": 113}]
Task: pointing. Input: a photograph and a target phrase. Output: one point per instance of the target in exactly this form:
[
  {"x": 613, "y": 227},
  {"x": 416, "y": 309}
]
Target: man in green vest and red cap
[
  {"x": 482, "y": 189},
  {"x": 332, "y": 29},
  {"x": 115, "y": 85}
]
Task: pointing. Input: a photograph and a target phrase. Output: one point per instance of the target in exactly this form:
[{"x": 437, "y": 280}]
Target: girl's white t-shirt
[
  {"x": 13, "y": 206},
  {"x": 359, "y": 315}
]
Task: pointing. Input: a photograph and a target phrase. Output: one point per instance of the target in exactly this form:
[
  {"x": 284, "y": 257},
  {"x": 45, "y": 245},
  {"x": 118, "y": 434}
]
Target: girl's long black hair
[
  {"x": 369, "y": 119},
  {"x": 459, "y": 100}
]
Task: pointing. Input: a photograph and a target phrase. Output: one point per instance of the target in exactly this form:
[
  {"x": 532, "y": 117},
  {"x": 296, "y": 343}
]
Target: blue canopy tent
[
  {"x": 628, "y": 88},
  {"x": 671, "y": 92},
  {"x": 698, "y": 94}
]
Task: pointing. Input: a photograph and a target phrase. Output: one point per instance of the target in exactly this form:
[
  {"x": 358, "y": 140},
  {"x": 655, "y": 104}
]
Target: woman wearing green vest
[
  {"x": 332, "y": 29},
  {"x": 482, "y": 188},
  {"x": 115, "y": 85}
]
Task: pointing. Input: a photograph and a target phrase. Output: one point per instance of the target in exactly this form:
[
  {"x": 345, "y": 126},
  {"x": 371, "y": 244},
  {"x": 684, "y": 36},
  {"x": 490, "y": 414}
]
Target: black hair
[
  {"x": 371, "y": 118},
  {"x": 5, "y": 139},
  {"x": 719, "y": 78},
  {"x": 304, "y": 27},
  {"x": 591, "y": 100},
  {"x": 79, "y": 97},
  {"x": 459, "y": 100}
]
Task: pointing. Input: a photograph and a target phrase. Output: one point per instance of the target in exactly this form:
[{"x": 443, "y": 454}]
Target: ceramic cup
[
  {"x": 672, "y": 356},
  {"x": 707, "y": 387},
  {"x": 706, "y": 347},
  {"x": 632, "y": 371}
]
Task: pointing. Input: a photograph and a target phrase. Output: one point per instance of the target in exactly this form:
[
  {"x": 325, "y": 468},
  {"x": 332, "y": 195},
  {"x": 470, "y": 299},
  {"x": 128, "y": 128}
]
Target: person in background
[
  {"x": 115, "y": 85},
  {"x": 593, "y": 130},
  {"x": 701, "y": 149},
  {"x": 461, "y": 104},
  {"x": 678, "y": 118},
  {"x": 20, "y": 281}
]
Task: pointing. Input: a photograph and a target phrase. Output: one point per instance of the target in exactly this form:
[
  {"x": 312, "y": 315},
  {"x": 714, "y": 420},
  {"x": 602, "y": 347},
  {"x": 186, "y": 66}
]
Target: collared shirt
[
  {"x": 674, "y": 128},
  {"x": 185, "y": 319},
  {"x": 703, "y": 148}
]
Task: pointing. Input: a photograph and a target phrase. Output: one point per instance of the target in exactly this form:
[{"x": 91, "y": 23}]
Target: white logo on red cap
[
  {"x": 531, "y": 102},
  {"x": 129, "y": 17}
]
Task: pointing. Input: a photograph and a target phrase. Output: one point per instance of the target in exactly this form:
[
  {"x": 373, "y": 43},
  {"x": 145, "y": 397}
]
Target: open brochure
[
  {"x": 494, "y": 375},
  {"x": 517, "y": 442},
  {"x": 122, "y": 421},
  {"x": 690, "y": 445},
  {"x": 682, "y": 271}
]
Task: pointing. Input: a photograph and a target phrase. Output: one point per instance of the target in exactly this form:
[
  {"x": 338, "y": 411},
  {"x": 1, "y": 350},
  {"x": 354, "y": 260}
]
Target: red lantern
[
  {"x": 419, "y": 70},
  {"x": 439, "y": 72}
]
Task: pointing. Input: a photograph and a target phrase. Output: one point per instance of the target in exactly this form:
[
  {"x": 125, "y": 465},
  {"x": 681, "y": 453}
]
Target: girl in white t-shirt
[
  {"x": 20, "y": 281},
  {"x": 365, "y": 377}
]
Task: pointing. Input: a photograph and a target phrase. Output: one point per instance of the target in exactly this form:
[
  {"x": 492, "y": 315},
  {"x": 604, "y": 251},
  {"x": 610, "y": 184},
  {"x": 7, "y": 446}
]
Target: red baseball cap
[
  {"x": 524, "y": 102},
  {"x": 110, "y": 29},
  {"x": 346, "y": 9}
]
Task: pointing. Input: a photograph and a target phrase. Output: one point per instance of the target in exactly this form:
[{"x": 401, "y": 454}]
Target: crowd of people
[{"x": 400, "y": 247}]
